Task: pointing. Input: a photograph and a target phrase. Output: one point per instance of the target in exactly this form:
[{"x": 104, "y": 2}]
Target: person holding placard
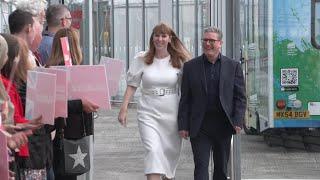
[
  {"x": 23, "y": 157},
  {"x": 158, "y": 73},
  {"x": 79, "y": 110}
]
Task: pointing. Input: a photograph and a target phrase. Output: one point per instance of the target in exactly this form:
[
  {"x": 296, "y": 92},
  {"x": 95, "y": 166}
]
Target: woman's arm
[{"x": 122, "y": 117}]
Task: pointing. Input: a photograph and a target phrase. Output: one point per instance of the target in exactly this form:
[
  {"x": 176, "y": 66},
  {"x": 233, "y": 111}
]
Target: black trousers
[{"x": 202, "y": 145}]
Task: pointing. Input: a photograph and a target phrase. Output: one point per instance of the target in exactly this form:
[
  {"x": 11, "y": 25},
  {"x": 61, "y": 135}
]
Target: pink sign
[
  {"x": 41, "y": 96},
  {"x": 88, "y": 82},
  {"x": 114, "y": 68},
  {"x": 4, "y": 159},
  {"x": 61, "y": 104},
  {"x": 66, "y": 51}
]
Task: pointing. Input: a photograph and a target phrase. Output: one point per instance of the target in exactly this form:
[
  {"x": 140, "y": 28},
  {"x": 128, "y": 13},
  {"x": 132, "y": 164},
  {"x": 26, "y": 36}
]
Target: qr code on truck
[{"x": 289, "y": 77}]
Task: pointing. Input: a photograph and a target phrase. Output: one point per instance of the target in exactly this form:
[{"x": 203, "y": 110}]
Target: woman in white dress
[{"x": 157, "y": 72}]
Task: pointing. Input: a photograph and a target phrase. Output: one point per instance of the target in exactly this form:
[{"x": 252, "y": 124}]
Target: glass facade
[
  {"x": 123, "y": 27},
  {"x": 132, "y": 26},
  {"x": 151, "y": 19},
  {"x": 186, "y": 19},
  {"x": 102, "y": 20},
  {"x": 254, "y": 42},
  {"x": 5, "y": 10},
  {"x": 189, "y": 19},
  {"x": 79, "y": 10}
]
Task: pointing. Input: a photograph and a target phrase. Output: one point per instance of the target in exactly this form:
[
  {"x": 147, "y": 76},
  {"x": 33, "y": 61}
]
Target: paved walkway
[{"x": 119, "y": 155}]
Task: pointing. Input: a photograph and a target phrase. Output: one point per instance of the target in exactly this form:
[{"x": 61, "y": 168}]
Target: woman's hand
[
  {"x": 32, "y": 124},
  {"x": 88, "y": 106},
  {"x": 11, "y": 175},
  {"x": 18, "y": 139},
  {"x": 122, "y": 117},
  {"x": 36, "y": 121},
  {"x": 10, "y": 128},
  {"x": 4, "y": 108},
  {"x": 237, "y": 129},
  {"x": 184, "y": 134}
]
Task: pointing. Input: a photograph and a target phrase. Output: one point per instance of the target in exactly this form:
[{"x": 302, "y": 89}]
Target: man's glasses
[
  {"x": 68, "y": 18},
  {"x": 211, "y": 41}
]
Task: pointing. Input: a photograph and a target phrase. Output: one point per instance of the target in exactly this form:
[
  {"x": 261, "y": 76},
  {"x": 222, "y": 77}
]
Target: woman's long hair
[
  {"x": 178, "y": 52},
  {"x": 56, "y": 56},
  {"x": 23, "y": 64},
  {"x": 13, "y": 52},
  {"x": 3, "y": 51},
  {"x": 18, "y": 62}
]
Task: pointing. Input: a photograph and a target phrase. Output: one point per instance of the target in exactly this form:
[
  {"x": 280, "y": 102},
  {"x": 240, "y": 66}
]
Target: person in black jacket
[
  {"x": 212, "y": 105},
  {"x": 80, "y": 121}
]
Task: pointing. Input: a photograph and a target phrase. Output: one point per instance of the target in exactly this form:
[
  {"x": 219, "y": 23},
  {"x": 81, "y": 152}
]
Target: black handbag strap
[
  {"x": 61, "y": 129},
  {"x": 83, "y": 124}
]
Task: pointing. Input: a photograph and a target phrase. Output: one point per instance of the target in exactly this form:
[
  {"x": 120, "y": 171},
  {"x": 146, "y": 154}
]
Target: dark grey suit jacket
[{"x": 192, "y": 107}]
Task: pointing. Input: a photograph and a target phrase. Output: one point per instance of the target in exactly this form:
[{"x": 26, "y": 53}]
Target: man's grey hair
[
  {"x": 32, "y": 6},
  {"x": 54, "y": 14},
  {"x": 213, "y": 30}
]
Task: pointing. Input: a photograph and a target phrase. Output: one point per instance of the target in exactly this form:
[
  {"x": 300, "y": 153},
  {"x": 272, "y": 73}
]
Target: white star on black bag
[
  {"x": 77, "y": 155},
  {"x": 71, "y": 156}
]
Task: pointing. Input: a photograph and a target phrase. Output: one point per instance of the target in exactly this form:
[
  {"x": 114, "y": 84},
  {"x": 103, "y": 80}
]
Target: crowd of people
[
  {"x": 201, "y": 98},
  {"x": 33, "y": 146}
]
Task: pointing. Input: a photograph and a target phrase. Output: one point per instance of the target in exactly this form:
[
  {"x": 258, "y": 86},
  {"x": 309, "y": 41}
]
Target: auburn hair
[{"x": 178, "y": 52}]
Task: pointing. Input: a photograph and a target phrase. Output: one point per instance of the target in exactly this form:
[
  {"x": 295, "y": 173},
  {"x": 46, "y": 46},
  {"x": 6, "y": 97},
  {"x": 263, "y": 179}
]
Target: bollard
[{"x": 235, "y": 157}]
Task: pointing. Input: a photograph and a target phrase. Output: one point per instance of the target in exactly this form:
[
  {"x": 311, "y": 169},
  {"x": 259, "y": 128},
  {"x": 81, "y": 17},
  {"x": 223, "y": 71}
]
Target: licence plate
[{"x": 291, "y": 114}]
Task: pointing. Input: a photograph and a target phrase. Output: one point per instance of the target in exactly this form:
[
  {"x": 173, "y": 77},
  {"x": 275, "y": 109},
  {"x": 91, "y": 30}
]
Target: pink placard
[
  {"x": 88, "y": 82},
  {"x": 4, "y": 159},
  {"x": 61, "y": 104},
  {"x": 114, "y": 69},
  {"x": 41, "y": 96},
  {"x": 66, "y": 51}
]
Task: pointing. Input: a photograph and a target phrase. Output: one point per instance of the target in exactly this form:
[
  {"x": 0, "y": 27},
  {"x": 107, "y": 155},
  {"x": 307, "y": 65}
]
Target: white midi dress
[{"x": 157, "y": 113}]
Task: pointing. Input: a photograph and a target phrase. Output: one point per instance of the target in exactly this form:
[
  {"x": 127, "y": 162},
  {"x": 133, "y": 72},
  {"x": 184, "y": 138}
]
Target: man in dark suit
[{"x": 212, "y": 105}]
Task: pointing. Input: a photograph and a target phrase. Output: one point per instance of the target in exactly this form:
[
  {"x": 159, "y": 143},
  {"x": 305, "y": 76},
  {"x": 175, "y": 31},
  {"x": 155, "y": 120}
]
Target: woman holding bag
[{"x": 79, "y": 122}]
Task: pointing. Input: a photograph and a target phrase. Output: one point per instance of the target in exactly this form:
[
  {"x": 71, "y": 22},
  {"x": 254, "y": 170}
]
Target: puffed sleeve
[{"x": 135, "y": 71}]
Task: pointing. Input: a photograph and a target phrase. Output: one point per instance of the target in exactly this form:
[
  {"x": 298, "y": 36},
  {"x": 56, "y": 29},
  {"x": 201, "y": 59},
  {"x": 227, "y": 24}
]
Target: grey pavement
[{"x": 118, "y": 155}]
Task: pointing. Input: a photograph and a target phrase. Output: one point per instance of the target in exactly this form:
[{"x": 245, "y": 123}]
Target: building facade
[{"x": 121, "y": 28}]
